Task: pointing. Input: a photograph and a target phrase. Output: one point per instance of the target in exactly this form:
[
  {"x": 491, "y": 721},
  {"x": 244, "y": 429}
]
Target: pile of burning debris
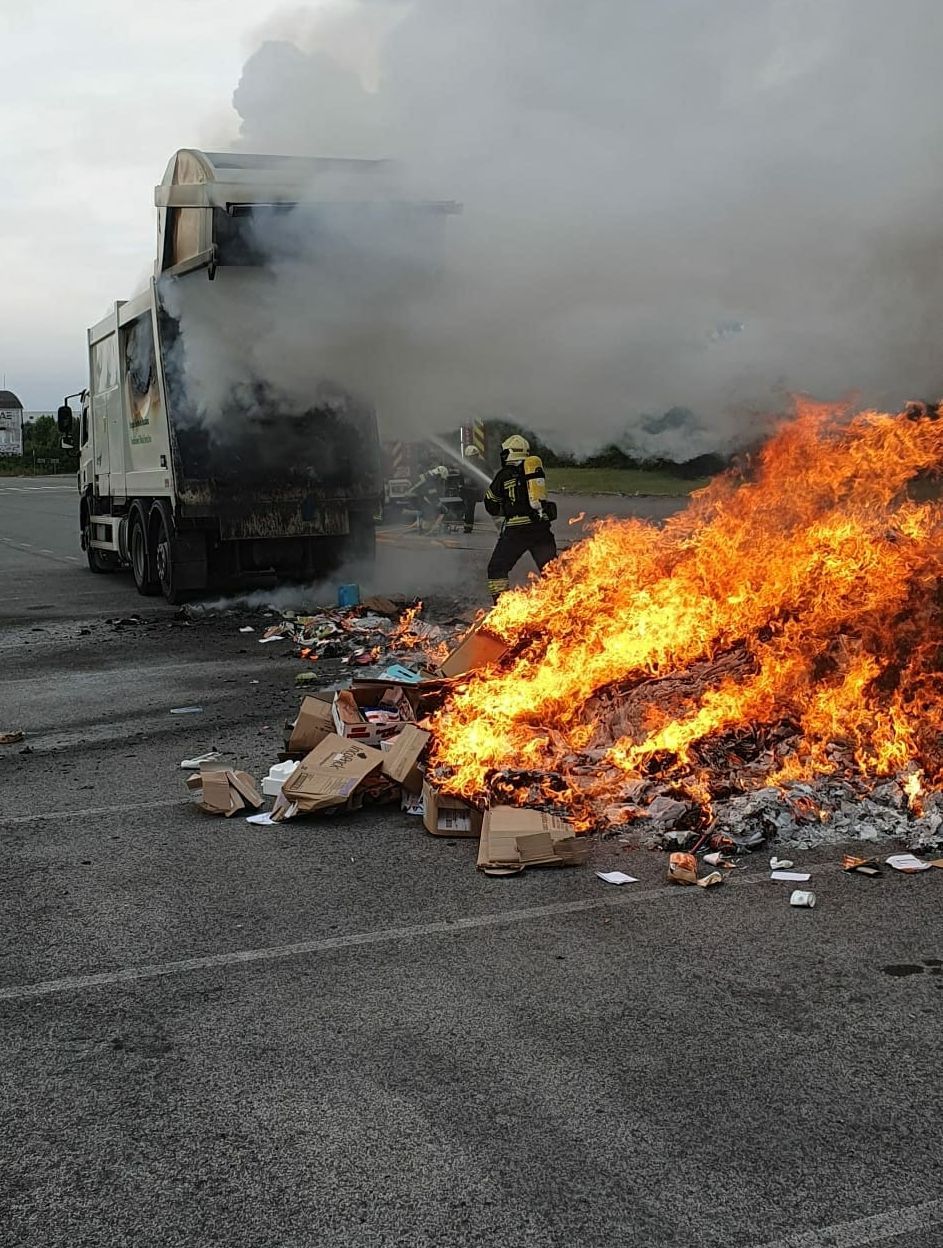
[
  {"x": 767, "y": 666},
  {"x": 374, "y": 632}
]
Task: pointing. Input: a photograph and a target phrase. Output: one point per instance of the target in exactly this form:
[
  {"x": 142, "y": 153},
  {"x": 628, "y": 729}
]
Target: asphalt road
[{"x": 338, "y": 1033}]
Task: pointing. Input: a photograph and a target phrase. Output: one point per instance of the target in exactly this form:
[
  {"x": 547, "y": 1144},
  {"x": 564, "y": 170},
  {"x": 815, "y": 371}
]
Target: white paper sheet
[
  {"x": 617, "y": 877},
  {"x": 264, "y": 819},
  {"x": 907, "y": 862},
  {"x": 798, "y": 877}
]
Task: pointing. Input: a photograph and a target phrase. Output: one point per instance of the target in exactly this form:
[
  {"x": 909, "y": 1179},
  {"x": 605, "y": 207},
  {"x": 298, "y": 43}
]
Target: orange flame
[{"x": 819, "y": 563}]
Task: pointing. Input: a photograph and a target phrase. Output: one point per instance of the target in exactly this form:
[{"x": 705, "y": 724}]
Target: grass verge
[{"x": 620, "y": 481}]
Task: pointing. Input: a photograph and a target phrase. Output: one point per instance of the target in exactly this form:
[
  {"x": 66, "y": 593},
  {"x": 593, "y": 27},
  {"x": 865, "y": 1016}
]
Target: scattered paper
[
  {"x": 191, "y": 764},
  {"x": 780, "y": 864},
  {"x": 186, "y": 710},
  {"x": 265, "y": 819},
  {"x": 797, "y": 877},
  {"x": 907, "y": 863},
  {"x": 710, "y": 881},
  {"x": 248, "y": 629},
  {"x": 617, "y": 877}
]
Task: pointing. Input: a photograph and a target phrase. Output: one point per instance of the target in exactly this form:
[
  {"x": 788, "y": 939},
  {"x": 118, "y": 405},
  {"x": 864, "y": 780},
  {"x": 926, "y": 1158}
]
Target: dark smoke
[{"x": 678, "y": 205}]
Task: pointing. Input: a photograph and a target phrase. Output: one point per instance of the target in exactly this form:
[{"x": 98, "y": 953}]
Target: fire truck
[{"x": 293, "y": 489}]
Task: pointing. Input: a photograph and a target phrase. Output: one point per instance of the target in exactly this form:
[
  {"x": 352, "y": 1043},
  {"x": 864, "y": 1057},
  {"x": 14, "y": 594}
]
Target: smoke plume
[{"x": 666, "y": 206}]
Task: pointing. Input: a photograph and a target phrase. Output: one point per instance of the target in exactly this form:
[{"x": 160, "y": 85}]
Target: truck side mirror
[{"x": 64, "y": 420}]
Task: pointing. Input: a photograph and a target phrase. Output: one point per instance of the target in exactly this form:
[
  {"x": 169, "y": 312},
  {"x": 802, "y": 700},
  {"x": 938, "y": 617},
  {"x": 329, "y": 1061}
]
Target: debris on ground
[
  {"x": 222, "y": 791},
  {"x": 367, "y": 741},
  {"x": 514, "y": 838},
  {"x": 907, "y": 863},
  {"x": 12, "y": 738},
  {"x": 800, "y": 897},
  {"x": 186, "y": 710},
  {"x": 861, "y": 866},
  {"x": 190, "y": 764}
]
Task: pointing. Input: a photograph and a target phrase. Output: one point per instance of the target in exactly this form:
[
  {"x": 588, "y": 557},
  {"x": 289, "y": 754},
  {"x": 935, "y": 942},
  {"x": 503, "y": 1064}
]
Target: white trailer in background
[{"x": 286, "y": 489}]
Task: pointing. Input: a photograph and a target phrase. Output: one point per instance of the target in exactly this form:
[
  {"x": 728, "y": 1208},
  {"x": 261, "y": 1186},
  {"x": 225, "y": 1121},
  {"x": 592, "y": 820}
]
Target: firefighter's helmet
[
  {"x": 514, "y": 449},
  {"x": 472, "y": 452}
]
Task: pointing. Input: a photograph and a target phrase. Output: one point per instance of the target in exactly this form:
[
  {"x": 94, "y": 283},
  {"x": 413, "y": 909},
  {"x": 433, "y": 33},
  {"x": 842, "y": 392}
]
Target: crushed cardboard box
[
  {"x": 315, "y": 722},
  {"x": 448, "y": 816},
  {"x": 513, "y": 838},
  {"x": 372, "y": 711},
  {"x": 327, "y": 777},
  {"x": 401, "y": 757},
  {"x": 224, "y": 791},
  {"x": 478, "y": 648}
]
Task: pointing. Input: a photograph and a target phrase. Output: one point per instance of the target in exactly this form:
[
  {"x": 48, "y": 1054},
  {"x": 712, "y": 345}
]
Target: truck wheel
[
  {"x": 165, "y": 551},
  {"x": 141, "y": 562}
]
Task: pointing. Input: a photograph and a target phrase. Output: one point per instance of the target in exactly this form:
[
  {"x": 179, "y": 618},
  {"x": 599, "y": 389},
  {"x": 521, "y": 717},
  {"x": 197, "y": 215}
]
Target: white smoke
[{"x": 671, "y": 205}]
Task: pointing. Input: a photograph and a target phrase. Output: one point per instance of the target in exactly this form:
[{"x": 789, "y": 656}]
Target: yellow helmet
[{"x": 514, "y": 449}]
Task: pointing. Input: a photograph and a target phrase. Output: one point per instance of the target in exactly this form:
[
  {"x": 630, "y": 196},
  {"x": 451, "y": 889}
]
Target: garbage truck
[{"x": 192, "y": 487}]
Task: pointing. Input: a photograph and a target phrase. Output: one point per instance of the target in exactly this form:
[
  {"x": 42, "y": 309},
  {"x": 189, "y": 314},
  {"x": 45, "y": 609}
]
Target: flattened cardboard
[
  {"x": 330, "y": 774},
  {"x": 401, "y": 760},
  {"x": 448, "y": 816},
  {"x": 477, "y": 648},
  {"x": 513, "y": 838},
  {"x": 315, "y": 722},
  {"x": 245, "y": 786}
]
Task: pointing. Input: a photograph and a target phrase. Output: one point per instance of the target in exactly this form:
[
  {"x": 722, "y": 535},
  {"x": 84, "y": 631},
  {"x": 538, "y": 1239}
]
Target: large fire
[{"x": 787, "y": 624}]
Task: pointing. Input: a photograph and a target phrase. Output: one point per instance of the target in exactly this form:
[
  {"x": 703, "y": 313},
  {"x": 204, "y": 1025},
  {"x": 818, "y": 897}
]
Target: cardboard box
[
  {"x": 448, "y": 816},
  {"x": 513, "y": 838},
  {"x": 402, "y": 755},
  {"x": 477, "y": 648},
  {"x": 224, "y": 791},
  {"x": 315, "y": 722},
  {"x": 329, "y": 775},
  {"x": 349, "y": 705}
]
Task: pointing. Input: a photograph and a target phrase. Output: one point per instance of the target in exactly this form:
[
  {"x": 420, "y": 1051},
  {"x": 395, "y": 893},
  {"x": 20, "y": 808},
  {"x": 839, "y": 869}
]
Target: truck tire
[
  {"x": 142, "y": 562},
  {"x": 180, "y": 559}
]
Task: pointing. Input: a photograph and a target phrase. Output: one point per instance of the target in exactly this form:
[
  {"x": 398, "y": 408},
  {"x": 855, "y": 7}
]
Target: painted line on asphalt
[
  {"x": 327, "y": 944},
  {"x": 889, "y": 1225},
  {"x": 95, "y": 810}
]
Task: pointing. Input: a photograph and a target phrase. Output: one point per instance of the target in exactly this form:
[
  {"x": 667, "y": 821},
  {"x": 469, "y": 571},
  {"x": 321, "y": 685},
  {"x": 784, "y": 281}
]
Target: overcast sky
[{"x": 96, "y": 96}]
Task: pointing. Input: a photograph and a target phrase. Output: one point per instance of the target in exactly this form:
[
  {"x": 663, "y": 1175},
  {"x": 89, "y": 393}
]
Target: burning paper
[{"x": 786, "y": 626}]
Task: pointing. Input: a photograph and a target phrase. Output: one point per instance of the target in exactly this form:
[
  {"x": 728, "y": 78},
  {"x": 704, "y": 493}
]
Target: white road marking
[
  {"x": 872, "y": 1230},
  {"x": 326, "y": 944}
]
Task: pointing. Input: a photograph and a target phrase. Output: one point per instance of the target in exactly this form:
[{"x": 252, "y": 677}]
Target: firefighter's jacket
[{"x": 517, "y": 493}]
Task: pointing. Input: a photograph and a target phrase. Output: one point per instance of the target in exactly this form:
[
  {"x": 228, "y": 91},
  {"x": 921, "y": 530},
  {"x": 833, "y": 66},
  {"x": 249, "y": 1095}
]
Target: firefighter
[
  {"x": 518, "y": 494},
  {"x": 425, "y": 496},
  {"x": 471, "y": 488}
]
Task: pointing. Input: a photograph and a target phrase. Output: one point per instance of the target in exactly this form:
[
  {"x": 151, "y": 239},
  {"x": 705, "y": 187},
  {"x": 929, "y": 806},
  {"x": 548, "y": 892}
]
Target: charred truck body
[{"x": 192, "y": 491}]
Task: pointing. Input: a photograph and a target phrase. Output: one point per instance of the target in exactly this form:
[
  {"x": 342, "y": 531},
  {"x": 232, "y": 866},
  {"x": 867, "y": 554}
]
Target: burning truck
[{"x": 196, "y": 480}]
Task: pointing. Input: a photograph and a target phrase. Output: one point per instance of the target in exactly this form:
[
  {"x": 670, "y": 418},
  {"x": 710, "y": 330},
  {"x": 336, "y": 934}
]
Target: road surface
[{"x": 338, "y": 1033}]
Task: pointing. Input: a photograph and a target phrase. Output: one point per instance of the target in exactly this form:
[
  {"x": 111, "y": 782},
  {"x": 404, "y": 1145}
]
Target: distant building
[{"x": 11, "y": 424}]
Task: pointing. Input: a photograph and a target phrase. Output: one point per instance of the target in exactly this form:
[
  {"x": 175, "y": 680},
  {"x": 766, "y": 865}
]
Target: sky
[
  {"x": 95, "y": 97},
  {"x": 692, "y": 207}
]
